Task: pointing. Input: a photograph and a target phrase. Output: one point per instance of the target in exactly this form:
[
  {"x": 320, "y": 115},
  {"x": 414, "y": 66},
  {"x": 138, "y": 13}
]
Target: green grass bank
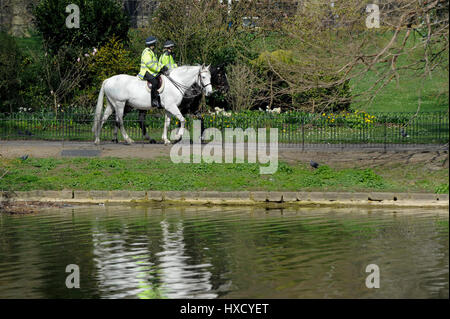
[{"x": 163, "y": 175}]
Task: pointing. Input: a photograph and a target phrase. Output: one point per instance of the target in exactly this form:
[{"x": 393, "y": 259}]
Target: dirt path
[{"x": 433, "y": 158}]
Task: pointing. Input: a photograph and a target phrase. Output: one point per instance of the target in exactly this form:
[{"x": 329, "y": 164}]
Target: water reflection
[
  {"x": 218, "y": 252},
  {"x": 179, "y": 279},
  {"x": 121, "y": 268},
  {"x": 125, "y": 268}
]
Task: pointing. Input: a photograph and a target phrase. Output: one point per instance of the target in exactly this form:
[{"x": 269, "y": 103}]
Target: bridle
[
  {"x": 201, "y": 82},
  {"x": 183, "y": 88}
]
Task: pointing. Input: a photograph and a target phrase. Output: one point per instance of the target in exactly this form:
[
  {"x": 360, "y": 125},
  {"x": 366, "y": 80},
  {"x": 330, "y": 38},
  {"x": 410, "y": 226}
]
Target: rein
[{"x": 184, "y": 88}]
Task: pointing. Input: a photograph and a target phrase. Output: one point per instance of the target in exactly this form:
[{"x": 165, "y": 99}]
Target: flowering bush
[
  {"x": 111, "y": 59},
  {"x": 356, "y": 119}
]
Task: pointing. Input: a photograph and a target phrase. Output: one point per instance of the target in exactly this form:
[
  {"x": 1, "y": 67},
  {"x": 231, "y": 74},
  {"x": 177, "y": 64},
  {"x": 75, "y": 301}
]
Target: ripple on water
[{"x": 211, "y": 252}]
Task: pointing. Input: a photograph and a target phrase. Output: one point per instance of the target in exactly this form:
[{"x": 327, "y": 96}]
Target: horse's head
[
  {"x": 219, "y": 78},
  {"x": 204, "y": 80}
]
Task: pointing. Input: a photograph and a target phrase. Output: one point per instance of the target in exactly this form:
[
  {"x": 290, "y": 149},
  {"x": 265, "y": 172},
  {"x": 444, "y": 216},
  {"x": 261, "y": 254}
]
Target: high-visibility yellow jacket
[
  {"x": 150, "y": 63},
  {"x": 167, "y": 59}
]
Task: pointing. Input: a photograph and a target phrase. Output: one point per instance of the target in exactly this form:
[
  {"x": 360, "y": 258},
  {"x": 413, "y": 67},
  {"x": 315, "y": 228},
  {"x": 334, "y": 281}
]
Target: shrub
[
  {"x": 331, "y": 99},
  {"x": 111, "y": 59},
  {"x": 244, "y": 86},
  {"x": 10, "y": 68},
  {"x": 335, "y": 97}
]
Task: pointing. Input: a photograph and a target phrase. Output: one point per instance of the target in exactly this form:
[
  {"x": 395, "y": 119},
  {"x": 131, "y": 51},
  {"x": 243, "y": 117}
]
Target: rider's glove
[{"x": 164, "y": 70}]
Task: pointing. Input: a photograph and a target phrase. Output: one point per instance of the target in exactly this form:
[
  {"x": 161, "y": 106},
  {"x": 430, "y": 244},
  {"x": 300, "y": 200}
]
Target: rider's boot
[{"x": 156, "y": 101}]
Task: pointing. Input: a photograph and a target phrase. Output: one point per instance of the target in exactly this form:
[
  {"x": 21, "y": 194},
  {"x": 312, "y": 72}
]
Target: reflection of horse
[
  {"x": 122, "y": 89},
  {"x": 191, "y": 100}
]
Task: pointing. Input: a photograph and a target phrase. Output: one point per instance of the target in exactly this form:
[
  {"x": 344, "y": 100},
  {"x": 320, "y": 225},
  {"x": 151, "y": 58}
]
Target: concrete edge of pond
[{"x": 232, "y": 198}]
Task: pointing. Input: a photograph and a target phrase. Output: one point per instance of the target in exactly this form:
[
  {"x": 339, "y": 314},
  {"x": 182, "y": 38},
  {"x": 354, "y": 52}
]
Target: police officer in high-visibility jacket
[
  {"x": 166, "y": 58},
  {"x": 151, "y": 69}
]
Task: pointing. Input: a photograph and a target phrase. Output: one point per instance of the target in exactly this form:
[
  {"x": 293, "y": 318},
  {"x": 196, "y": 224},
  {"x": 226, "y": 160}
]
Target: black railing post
[
  {"x": 385, "y": 133},
  {"x": 303, "y": 133},
  {"x": 439, "y": 127}
]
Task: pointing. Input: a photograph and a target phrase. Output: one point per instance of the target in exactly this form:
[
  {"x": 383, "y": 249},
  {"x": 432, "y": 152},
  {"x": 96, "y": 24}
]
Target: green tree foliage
[
  {"x": 100, "y": 20},
  {"x": 205, "y": 31},
  {"x": 112, "y": 59},
  {"x": 10, "y": 67}
]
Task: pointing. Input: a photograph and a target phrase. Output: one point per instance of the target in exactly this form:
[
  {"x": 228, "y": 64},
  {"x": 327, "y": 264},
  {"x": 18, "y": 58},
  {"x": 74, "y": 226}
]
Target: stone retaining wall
[{"x": 232, "y": 198}]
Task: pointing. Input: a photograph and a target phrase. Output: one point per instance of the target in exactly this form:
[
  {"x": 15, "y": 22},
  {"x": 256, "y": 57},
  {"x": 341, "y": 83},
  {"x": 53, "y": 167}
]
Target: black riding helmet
[
  {"x": 168, "y": 44},
  {"x": 151, "y": 40}
]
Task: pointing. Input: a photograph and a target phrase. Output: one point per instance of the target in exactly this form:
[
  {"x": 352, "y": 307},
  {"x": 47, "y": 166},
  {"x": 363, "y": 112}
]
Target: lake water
[{"x": 224, "y": 252}]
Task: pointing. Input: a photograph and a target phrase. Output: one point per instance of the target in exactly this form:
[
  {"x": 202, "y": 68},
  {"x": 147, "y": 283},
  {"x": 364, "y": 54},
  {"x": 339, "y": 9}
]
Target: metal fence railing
[{"x": 294, "y": 129}]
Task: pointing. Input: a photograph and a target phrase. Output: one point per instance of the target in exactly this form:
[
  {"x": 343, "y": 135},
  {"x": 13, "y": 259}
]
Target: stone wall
[
  {"x": 140, "y": 11},
  {"x": 16, "y": 16}
]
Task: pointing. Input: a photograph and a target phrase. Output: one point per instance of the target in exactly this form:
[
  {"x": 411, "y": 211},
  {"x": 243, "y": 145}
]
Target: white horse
[{"x": 121, "y": 89}]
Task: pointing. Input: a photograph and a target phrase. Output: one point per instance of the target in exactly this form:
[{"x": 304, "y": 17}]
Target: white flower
[
  {"x": 78, "y": 60},
  {"x": 277, "y": 110}
]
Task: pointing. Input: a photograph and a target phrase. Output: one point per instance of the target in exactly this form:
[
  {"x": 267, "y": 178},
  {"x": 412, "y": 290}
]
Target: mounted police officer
[
  {"x": 151, "y": 69},
  {"x": 167, "y": 58}
]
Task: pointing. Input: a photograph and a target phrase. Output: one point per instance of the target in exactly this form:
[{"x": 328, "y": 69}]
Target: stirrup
[{"x": 155, "y": 102}]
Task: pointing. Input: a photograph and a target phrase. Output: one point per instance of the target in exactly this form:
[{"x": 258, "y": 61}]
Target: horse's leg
[
  {"x": 166, "y": 127},
  {"x": 106, "y": 114},
  {"x": 142, "y": 124},
  {"x": 120, "y": 106},
  {"x": 176, "y": 112},
  {"x": 116, "y": 124}
]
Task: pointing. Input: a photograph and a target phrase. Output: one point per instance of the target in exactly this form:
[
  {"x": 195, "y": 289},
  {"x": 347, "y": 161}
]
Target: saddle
[{"x": 161, "y": 85}]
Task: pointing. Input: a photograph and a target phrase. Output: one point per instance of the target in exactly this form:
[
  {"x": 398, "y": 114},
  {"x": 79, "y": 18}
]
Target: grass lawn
[
  {"x": 162, "y": 174},
  {"x": 403, "y": 96}
]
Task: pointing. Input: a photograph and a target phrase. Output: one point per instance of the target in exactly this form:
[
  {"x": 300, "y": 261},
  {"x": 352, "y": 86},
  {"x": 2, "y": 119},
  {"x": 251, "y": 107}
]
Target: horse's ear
[{"x": 208, "y": 67}]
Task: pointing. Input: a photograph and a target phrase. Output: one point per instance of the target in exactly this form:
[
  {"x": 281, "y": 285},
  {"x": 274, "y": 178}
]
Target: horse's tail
[{"x": 99, "y": 108}]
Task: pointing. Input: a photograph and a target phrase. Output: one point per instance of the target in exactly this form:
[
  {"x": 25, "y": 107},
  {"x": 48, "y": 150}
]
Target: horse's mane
[{"x": 184, "y": 68}]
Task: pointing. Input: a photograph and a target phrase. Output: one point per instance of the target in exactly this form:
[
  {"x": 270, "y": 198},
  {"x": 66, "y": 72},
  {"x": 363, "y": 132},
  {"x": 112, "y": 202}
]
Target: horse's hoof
[
  {"x": 167, "y": 142},
  {"x": 129, "y": 142}
]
